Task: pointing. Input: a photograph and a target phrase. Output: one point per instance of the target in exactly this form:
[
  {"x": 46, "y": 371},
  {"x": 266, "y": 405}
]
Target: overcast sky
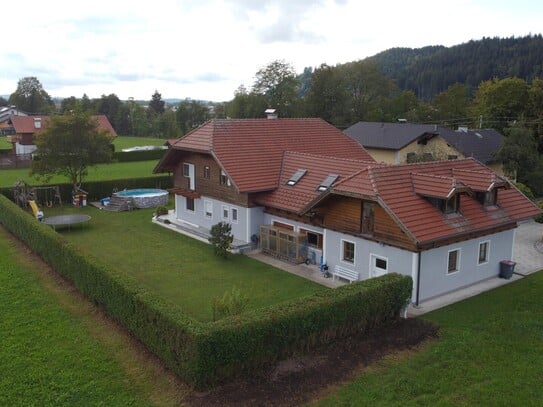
[{"x": 205, "y": 49}]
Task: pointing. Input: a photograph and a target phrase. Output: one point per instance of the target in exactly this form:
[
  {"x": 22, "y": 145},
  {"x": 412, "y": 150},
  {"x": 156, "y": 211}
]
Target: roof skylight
[
  {"x": 327, "y": 183},
  {"x": 296, "y": 177}
]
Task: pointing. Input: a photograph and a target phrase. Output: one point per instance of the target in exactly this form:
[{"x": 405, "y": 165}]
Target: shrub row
[
  {"x": 143, "y": 155},
  {"x": 159, "y": 325},
  {"x": 102, "y": 189},
  {"x": 205, "y": 354}
]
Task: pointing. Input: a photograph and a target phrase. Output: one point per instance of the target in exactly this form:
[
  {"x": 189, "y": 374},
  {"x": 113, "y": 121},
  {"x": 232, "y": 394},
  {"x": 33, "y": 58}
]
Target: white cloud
[{"x": 206, "y": 49}]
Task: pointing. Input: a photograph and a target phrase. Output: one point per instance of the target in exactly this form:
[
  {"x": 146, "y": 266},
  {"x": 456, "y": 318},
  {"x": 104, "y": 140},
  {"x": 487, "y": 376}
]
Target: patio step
[{"x": 118, "y": 204}]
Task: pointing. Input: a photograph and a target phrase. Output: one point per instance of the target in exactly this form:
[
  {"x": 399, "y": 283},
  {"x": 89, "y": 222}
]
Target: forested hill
[{"x": 430, "y": 70}]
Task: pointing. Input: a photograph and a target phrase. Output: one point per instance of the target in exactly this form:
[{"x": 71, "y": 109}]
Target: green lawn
[
  {"x": 121, "y": 142},
  {"x": 490, "y": 353},
  {"x": 103, "y": 172},
  {"x": 54, "y": 351},
  {"x": 5, "y": 144},
  {"x": 180, "y": 269}
]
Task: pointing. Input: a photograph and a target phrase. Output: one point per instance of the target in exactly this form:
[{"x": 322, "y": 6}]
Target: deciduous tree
[
  {"x": 69, "y": 146},
  {"x": 31, "y": 97},
  {"x": 278, "y": 82}
]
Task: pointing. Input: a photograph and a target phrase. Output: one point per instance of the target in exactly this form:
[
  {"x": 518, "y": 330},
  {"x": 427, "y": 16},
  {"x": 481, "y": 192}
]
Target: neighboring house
[
  {"x": 481, "y": 144},
  {"x": 28, "y": 127},
  {"x": 6, "y": 112},
  {"x": 397, "y": 143},
  {"x": 304, "y": 190}
]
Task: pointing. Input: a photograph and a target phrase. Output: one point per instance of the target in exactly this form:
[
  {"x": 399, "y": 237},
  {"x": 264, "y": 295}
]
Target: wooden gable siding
[
  {"x": 387, "y": 230},
  {"x": 343, "y": 214},
  {"x": 313, "y": 221},
  {"x": 208, "y": 187}
]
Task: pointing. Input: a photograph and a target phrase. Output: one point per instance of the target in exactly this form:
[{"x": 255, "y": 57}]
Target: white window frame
[
  {"x": 232, "y": 218},
  {"x": 342, "y": 258},
  {"x": 373, "y": 262},
  {"x": 210, "y": 204},
  {"x": 479, "y": 262},
  {"x": 226, "y": 210},
  {"x": 186, "y": 170},
  {"x": 458, "y": 259},
  {"x": 186, "y": 205},
  {"x": 227, "y": 179}
]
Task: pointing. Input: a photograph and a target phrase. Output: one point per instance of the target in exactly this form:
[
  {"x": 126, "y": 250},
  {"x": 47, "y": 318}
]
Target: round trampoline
[{"x": 66, "y": 220}]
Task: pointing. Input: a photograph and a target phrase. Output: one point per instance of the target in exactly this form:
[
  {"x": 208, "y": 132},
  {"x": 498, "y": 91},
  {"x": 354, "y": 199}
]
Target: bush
[
  {"x": 161, "y": 210},
  {"x": 205, "y": 354},
  {"x": 221, "y": 238},
  {"x": 144, "y": 155},
  {"x": 231, "y": 303},
  {"x": 100, "y": 189},
  {"x": 525, "y": 190},
  {"x": 539, "y": 219}
]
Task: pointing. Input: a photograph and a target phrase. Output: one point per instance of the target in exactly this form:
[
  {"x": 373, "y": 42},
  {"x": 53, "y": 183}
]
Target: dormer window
[
  {"x": 451, "y": 205},
  {"x": 224, "y": 180},
  {"x": 488, "y": 198},
  {"x": 327, "y": 183},
  {"x": 297, "y": 176}
]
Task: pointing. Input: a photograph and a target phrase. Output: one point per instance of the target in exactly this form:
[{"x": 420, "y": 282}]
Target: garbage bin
[{"x": 506, "y": 269}]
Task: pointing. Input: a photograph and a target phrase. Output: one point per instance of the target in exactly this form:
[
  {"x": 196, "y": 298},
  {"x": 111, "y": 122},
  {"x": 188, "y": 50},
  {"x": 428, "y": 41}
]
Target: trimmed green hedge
[
  {"x": 205, "y": 354},
  {"x": 145, "y": 155},
  {"x": 101, "y": 189}
]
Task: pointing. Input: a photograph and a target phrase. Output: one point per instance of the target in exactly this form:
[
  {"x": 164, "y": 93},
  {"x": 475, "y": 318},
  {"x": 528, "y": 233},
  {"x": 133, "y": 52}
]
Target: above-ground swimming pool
[{"x": 144, "y": 198}]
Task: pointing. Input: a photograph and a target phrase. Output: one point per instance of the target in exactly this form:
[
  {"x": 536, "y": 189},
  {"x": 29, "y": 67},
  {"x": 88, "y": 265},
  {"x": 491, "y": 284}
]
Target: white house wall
[
  {"x": 22, "y": 149},
  {"x": 434, "y": 278},
  {"x": 398, "y": 260},
  {"x": 248, "y": 219}
]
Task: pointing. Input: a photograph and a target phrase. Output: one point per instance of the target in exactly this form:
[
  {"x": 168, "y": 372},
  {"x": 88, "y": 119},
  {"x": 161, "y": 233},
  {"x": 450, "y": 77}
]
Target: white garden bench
[{"x": 345, "y": 273}]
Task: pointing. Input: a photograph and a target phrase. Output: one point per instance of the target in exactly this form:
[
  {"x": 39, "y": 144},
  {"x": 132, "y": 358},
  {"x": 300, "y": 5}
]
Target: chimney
[
  {"x": 271, "y": 113},
  {"x": 37, "y": 122}
]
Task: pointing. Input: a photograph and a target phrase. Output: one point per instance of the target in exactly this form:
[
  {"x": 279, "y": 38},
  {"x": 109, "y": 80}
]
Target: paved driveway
[{"x": 528, "y": 250}]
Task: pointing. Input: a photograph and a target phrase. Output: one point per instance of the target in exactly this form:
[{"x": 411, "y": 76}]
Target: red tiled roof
[
  {"x": 26, "y": 124},
  {"x": 393, "y": 189},
  {"x": 480, "y": 180},
  {"x": 104, "y": 124},
  {"x": 434, "y": 185},
  {"x": 296, "y": 197},
  {"x": 250, "y": 150}
]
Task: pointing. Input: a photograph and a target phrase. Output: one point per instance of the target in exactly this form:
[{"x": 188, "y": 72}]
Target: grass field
[
  {"x": 490, "y": 353},
  {"x": 490, "y": 350},
  {"x": 103, "y": 172},
  {"x": 121, "y": 142},
  {"x": 180, "y": 269},
  {"x": 55, "y": 351},
  {"x": 5, "y": 144}
]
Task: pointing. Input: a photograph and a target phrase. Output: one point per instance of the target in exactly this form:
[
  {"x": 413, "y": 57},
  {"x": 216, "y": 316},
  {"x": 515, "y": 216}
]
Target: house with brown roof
[
  {"x": 307, "y": 192},
  {"x": 28, "y": 127}
]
